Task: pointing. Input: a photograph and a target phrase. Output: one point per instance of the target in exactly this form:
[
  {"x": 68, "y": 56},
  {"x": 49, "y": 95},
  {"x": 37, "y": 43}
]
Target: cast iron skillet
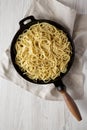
[{"x": 25, "y": 24}]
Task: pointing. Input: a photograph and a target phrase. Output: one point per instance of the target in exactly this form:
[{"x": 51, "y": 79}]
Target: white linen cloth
[{"x": 52, "y": 10}]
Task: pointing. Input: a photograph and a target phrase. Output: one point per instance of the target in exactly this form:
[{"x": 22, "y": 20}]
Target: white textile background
[{"x": 66, "y": 16}]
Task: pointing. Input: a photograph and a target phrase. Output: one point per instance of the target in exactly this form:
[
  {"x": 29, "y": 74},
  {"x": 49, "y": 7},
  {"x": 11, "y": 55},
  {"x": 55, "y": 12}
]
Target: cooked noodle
[{"x": 43, "y": 52}]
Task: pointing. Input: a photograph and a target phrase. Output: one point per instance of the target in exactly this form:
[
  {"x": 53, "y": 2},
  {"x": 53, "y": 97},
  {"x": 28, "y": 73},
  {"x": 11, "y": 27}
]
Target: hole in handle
[{"x": 26, "y": 20}]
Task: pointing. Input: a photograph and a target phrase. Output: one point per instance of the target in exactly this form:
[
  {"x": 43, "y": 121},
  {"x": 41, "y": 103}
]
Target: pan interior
[{"x": 13, "y": 51}]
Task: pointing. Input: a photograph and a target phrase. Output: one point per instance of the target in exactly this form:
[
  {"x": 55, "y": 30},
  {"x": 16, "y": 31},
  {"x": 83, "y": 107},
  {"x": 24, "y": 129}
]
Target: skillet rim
[{"x": 20, "y": 31}]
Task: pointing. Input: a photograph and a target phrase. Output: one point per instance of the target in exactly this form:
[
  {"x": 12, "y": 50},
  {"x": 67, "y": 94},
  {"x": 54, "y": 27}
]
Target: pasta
[{"x": 43, "y": 52}]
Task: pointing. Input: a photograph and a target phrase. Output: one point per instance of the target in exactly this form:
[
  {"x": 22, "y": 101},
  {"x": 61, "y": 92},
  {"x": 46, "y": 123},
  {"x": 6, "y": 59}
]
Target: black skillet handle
[
  {"x": 26, "y": 20},
  {"x": 68, "y": 99}
]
